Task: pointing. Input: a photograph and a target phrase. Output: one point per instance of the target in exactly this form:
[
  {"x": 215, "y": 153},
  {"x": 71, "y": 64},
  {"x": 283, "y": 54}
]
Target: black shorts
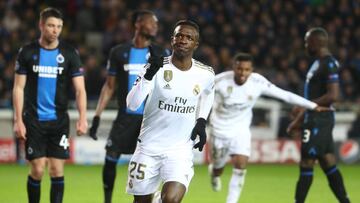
[
  {"x": 124, "y": 133},
  {"x": 317, "y": 138},
  {"x": 47, "y": 138}
]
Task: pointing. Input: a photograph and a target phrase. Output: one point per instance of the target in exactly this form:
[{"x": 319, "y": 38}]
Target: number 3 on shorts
[
  {"x": 64, "y": 142},
  {"x": 306, "y": 137}
]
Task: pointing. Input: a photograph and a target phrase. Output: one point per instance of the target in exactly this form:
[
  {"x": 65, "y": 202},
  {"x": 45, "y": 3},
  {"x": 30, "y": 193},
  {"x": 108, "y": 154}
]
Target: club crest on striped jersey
[
  {"x": 196, "y": 89},
  {"x": 60, "y": 58},
  {"x": 168, "y": 75}
]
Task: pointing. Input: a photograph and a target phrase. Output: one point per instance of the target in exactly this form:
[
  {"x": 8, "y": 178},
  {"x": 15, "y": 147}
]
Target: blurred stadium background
[{"x": 271, "y": 30}]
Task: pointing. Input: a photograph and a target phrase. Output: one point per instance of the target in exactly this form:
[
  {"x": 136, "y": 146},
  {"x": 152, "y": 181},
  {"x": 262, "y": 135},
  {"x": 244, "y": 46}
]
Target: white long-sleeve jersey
[
  {"x": 175, "y": 99},
  {"x": 232, "y": 109}
]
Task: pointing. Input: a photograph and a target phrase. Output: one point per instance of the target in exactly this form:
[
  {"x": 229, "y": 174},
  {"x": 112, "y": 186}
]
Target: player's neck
[
  {"x": 323, "y": 52},
  {"x": 239, "y": 82},
  {"x": 47, "y": 44},
  {"x": 141, "y": 41},
  {"x": 182, "y": 63}
]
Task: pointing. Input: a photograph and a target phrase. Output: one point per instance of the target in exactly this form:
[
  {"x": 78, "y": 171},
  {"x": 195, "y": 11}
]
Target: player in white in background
[
  {"x": 179, "y": 98},
  {"x": 236, "y": 92}
]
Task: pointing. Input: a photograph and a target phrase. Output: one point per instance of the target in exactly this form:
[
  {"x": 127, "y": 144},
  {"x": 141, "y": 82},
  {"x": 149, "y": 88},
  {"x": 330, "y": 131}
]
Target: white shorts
[
  {"x": 146, "y": 173},
  {"x": 222, "y": 148}
]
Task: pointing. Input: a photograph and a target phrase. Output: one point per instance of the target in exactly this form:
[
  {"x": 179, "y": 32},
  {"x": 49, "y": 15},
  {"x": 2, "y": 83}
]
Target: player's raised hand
[
  {"x": 156, "y": 62},
  {"x": 20, "y": 130},
  {"x": 94, "y": 126},
  {"x": 199, "y": 129}
]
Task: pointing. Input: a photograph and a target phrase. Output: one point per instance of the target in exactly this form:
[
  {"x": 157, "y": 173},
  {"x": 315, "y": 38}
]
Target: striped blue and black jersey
[
  {"x": 125, "y": 63},
  {"x": 322, "y": 72},
  {"x": 49, "y": 73}
]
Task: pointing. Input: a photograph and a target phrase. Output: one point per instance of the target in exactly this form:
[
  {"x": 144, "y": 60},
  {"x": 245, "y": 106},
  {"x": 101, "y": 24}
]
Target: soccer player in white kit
[
  {"x": 236, "y": 92},
  {"x": 180, "y": 94}
]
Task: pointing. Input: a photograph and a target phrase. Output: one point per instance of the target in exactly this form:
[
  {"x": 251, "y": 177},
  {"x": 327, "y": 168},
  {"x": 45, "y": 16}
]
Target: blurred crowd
[{"x": 271, "y": 30}]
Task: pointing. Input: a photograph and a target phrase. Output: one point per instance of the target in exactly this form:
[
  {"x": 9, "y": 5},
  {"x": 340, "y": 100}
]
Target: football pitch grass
[{"x": 264, "y": 184}]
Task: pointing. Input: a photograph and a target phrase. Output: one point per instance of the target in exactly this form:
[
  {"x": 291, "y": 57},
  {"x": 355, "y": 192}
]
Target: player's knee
[
  {"x": 142, "y": 199},
  {"x": 56, "y": 171},
  {"x": 239, "y": 161},
  {"x": 171, "y": 197},
  {"x": 307, "y": 163},
  {"x": 37, "y": 172},
  {"x": 327, "y": 161},
  {"x": 218, "y": 171},
  {"x": 240, "y": 165},
  {"x": 112, "y": 156}
]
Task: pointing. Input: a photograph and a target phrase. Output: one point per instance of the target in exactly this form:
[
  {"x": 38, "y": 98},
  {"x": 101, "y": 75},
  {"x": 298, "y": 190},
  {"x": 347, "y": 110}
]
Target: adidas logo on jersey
[{"x": 167, "y": 86}]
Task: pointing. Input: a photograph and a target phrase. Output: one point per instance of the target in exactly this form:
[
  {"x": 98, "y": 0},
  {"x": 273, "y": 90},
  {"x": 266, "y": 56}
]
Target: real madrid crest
[
  {"x": 196, "y": 90},
  {"x": 168, "y": 76}
]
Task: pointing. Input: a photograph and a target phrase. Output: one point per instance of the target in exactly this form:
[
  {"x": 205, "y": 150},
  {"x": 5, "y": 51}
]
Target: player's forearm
[
  {"x": 105, "y": 96},
  {"x": 206, "y": 103},
  {"x": 18, "y": 96},
  {"x": 299, "y": 117},
  {"x": 300, "y": 101},
  {"x": 292, "y": 98},
  {"x": 80, "y": 95},
  {"x": 18, "y": 103},
  {"x": 81, "y": 103},
  {"x": 138, "y": 93}
]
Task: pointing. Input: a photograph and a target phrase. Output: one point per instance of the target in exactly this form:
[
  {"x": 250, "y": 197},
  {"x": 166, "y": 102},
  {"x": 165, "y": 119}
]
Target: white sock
[{"x": 236, "y": 185}]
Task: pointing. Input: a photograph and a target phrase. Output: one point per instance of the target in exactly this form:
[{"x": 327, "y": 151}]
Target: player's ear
[
  {"x": 197, "y": 40},
  {"x": 196, "y": 44},
  {"x": 137, "y": 25},
  {"x": 41, "y": 23},
  {"x": 172, "y": 40}
]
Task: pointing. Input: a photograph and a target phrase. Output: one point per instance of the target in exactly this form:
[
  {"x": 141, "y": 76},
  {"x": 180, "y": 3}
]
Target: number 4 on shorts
[{"x": 64, "y": 142}]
